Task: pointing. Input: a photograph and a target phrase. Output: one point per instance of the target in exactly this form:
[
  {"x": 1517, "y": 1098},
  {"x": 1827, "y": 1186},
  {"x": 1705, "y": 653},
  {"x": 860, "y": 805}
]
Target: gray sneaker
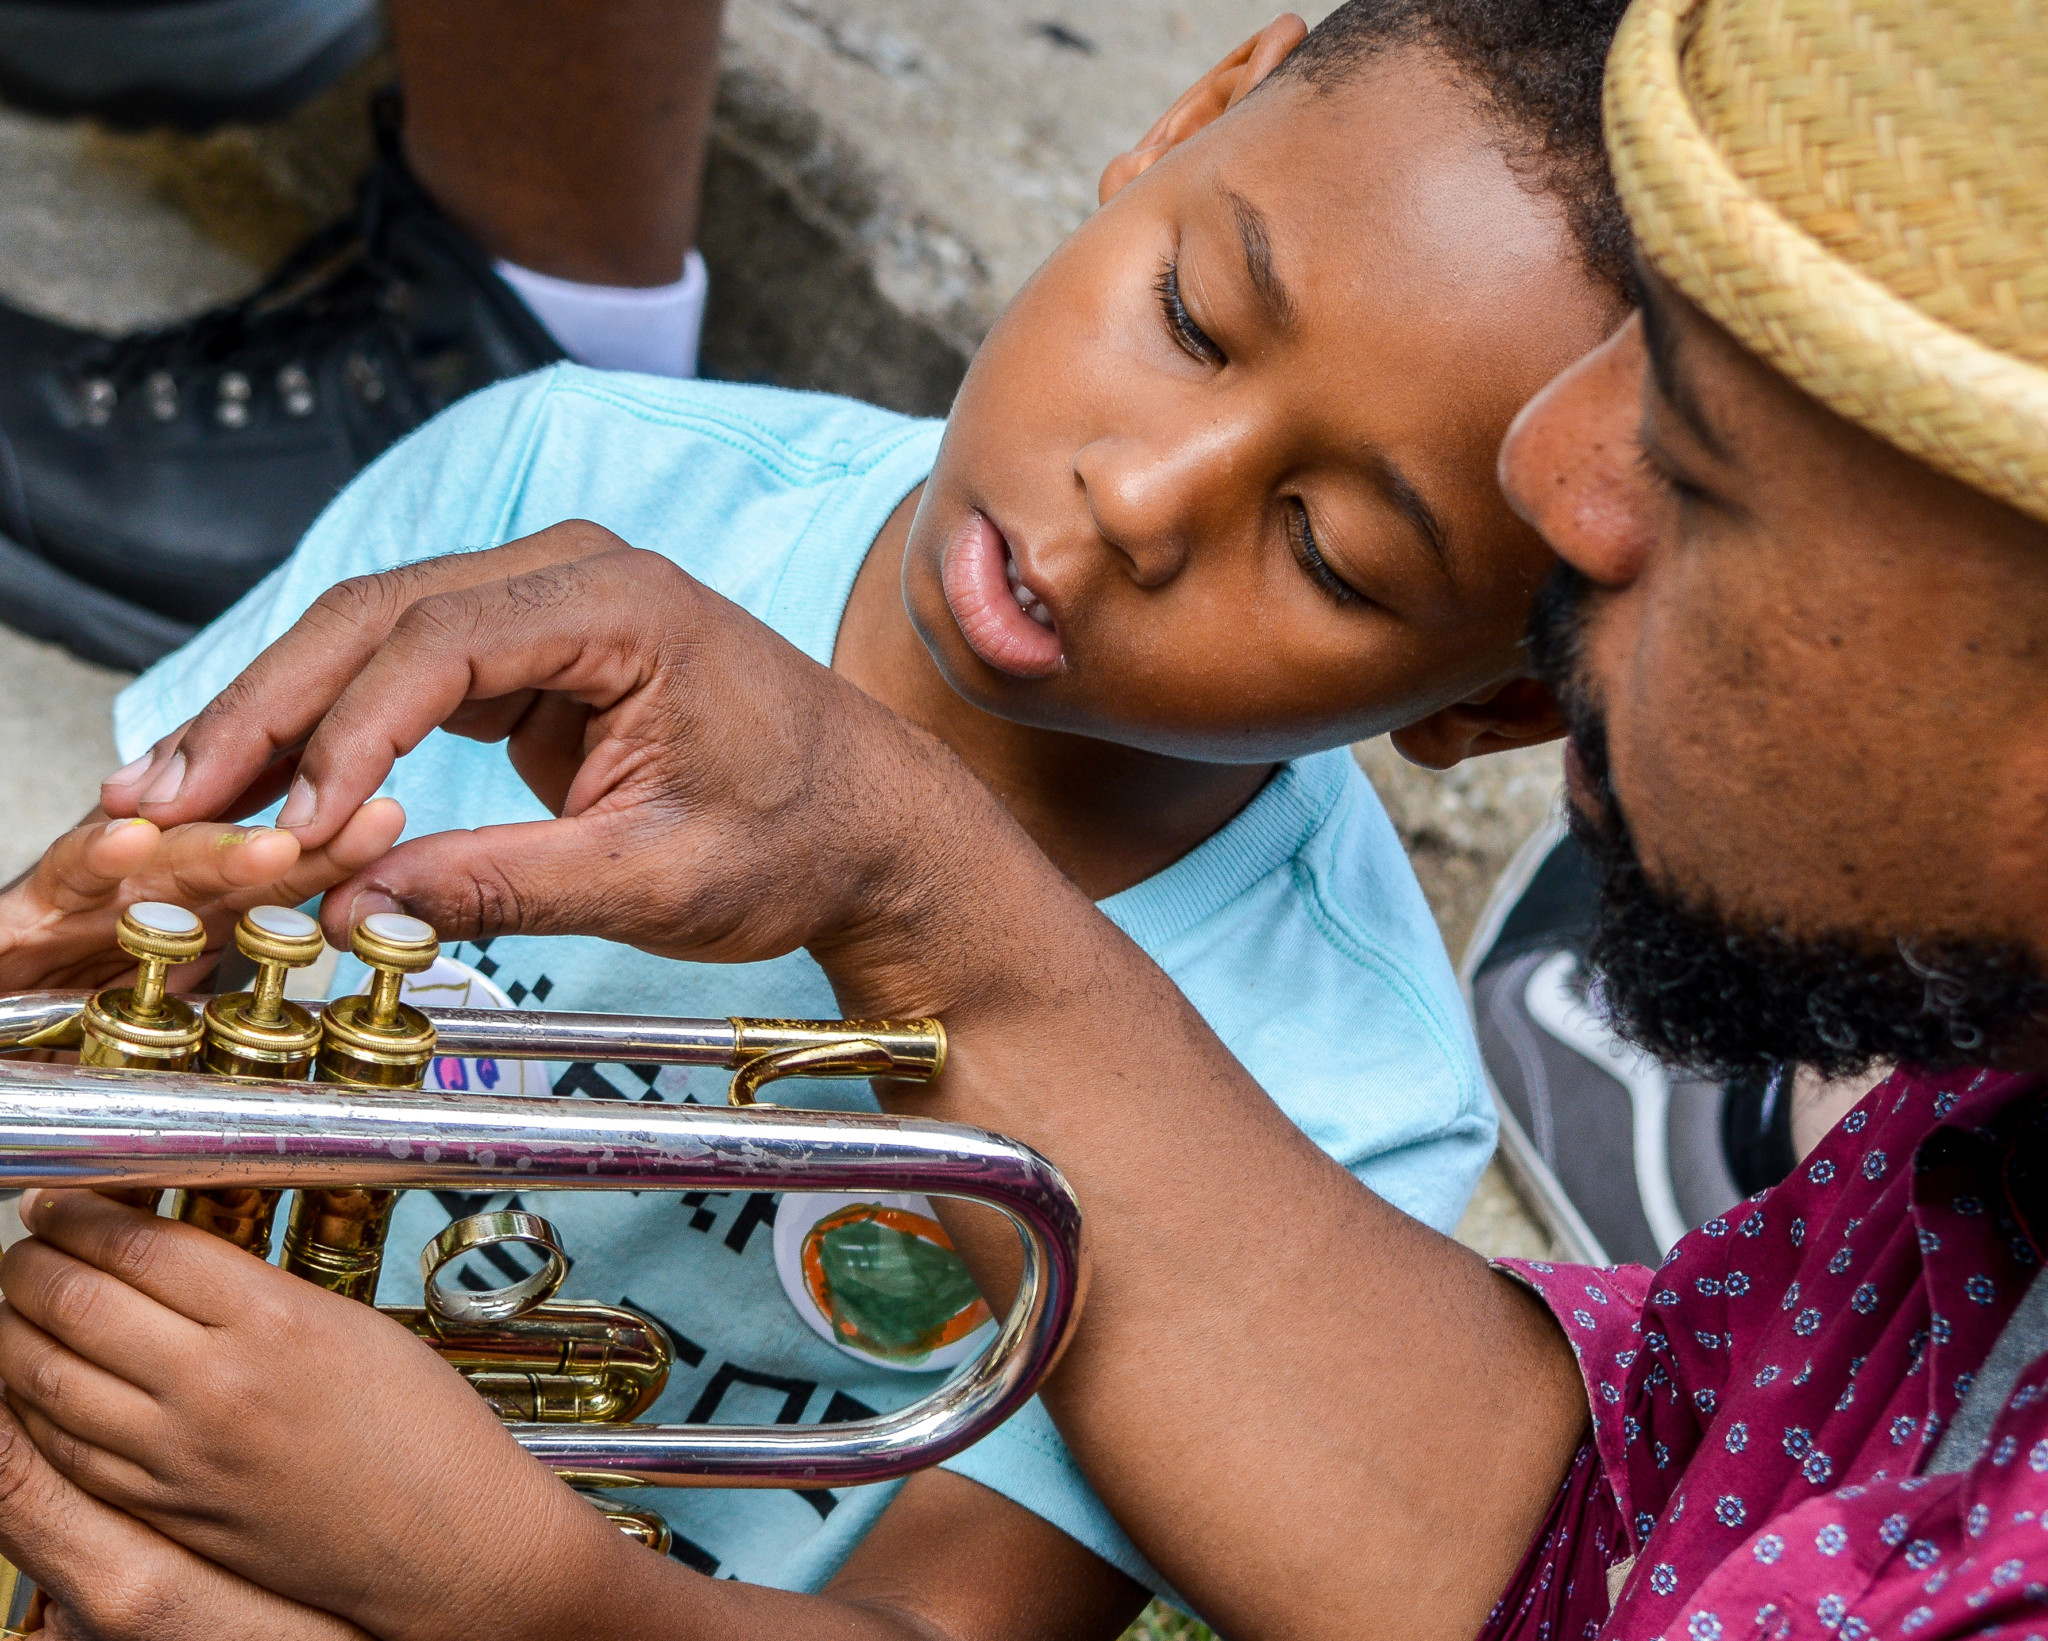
[{"x": 1618, "y": 1154}]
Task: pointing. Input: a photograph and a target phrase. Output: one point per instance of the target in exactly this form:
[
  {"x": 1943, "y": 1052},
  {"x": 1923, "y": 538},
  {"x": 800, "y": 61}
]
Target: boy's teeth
[{"x": 1027, "y": 601}]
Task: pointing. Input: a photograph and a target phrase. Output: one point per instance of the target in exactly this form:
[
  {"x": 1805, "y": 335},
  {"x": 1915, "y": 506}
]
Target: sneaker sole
[{"x": 40, "y": 600}]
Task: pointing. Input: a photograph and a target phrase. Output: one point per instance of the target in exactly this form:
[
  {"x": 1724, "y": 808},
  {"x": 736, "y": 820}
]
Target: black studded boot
[{"x": 146, "y": 483}]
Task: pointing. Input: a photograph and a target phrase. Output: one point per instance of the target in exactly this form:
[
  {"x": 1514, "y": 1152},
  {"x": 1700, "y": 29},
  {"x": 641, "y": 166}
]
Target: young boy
[{"x": 1217, "y": 493}]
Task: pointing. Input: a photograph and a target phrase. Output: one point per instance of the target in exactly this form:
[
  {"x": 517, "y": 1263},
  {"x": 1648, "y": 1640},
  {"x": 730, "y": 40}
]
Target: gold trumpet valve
[
  {"x": 158, "y": 936},
  {"x": 256, "y": 1033},
  {"x": 393, "y": 945},
  {"x": 277, "y": 940}
]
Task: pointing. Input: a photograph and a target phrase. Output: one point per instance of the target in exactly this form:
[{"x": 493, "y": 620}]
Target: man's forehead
[{"x": 1805, "y": 473}]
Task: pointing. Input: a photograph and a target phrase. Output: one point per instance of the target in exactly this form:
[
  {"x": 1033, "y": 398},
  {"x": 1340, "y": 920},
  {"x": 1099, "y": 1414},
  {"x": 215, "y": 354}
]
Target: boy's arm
[
  {"x": 1310, "y": 1413},
  {"x": 306, "y": 1442}
]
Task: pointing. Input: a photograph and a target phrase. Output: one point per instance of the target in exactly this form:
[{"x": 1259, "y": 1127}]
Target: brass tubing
[
  {"x": 52, "y": 1019},
  {"x": 565, "y": 1362},
  {"x": 70, "y": 1126}
]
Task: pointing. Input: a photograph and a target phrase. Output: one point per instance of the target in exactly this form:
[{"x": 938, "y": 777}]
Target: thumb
[{"x": 585, "y": 875}]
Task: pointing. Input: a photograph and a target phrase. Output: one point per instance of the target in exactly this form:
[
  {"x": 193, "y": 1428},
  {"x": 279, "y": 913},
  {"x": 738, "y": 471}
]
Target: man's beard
[{"x": 1701, "y": 988}]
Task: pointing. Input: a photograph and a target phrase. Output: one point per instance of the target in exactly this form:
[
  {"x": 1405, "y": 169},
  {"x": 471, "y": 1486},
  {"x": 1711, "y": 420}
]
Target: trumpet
[{"x": 133, "y": 1119}]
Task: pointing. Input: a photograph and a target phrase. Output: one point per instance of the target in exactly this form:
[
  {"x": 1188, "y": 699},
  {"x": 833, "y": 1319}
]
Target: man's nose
[
  {"x": 1154, "y": 499},
  {"x": 1571, "y": 462}
]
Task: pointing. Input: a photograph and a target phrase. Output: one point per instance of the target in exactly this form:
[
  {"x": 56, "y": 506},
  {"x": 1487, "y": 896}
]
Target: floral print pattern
[{"x": 1764, "y": 1403}]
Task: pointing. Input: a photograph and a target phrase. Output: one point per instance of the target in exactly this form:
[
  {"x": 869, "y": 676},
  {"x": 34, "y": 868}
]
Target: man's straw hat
[{"x": 1858, "y": 191}]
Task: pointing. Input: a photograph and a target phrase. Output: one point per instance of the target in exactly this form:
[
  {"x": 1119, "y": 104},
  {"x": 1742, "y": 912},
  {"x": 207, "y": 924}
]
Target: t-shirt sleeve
[{"x": 447, "y": 487}]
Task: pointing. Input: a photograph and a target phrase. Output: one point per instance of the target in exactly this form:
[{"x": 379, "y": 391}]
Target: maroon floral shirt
[{"x": 1763, "y": 1403}]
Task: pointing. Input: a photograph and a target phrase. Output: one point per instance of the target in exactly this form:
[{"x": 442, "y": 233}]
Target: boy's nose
[
  {"x": 1152, "y": 500},
  {"x": 1570, "y": 463}
]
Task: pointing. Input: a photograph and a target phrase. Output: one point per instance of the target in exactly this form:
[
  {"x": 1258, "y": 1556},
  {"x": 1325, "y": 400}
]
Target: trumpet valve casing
[
  {"x": 141, "y": 1027},
  {"x": 373, "y": 1041},
  {"x": 257, "y": 1034}
]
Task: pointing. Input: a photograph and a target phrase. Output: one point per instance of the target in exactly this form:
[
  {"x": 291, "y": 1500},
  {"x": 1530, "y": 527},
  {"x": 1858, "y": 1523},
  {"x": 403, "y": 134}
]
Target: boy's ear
[
  {"x": 1520, "y": 712},
  {"x": 1208, "y": 99}
]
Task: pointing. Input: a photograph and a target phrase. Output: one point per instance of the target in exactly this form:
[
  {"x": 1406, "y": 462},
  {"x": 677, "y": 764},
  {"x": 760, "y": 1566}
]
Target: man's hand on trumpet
[{"x": 721, "y": 796}]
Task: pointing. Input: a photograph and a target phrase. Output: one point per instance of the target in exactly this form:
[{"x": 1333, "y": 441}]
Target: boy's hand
[
  {"x": 107, "y": 1577},
  {"x": 176, "y": 1378},
  {"x": 57, "y": 920}
]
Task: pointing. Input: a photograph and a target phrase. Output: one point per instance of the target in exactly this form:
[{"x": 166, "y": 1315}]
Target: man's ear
[
  {"x": 1208, "y": 99},
  {"x": 1499, "y": 718}
]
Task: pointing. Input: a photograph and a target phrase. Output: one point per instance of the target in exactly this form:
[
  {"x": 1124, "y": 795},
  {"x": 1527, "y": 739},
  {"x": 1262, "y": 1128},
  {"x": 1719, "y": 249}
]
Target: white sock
[{"x": 620, "y": 327}]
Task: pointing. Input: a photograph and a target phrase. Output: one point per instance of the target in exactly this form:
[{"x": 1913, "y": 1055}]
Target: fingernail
[
  {"x": 299, "y": 804},
  {"x": 129, "y": 774},
  {"x": 166, "y": 786},
  {"x": 122, "y": 825},
  {"x": 368, "y": 904}
]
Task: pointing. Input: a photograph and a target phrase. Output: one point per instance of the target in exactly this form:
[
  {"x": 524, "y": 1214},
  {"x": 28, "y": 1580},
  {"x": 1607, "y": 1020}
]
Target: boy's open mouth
[{"x": 1004, "y": 620}]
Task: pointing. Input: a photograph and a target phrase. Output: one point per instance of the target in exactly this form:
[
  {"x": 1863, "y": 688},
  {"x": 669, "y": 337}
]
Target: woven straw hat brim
[{"x": 1703, "y": 216}]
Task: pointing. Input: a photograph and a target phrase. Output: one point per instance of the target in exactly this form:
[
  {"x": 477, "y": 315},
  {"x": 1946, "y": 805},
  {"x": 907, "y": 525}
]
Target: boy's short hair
[{"x": 1539, "y": 64}]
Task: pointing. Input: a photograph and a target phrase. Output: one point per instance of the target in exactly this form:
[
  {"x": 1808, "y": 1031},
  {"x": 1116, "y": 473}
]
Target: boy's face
[{"x": 1236, "y": 440}]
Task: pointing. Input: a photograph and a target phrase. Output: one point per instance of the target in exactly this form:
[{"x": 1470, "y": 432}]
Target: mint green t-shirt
[{"x": 1298, "y": 930}]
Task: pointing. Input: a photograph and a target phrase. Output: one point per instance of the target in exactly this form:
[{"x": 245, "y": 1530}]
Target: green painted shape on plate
[{"x": 897, "y": 1290}]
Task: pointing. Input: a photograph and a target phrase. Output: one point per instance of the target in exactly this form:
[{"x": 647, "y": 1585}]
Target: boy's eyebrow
[
  {"x": 1258, "y": 260},
  {"x": 1410, "y": 504},
  {"x": 1660, "y": 342}
]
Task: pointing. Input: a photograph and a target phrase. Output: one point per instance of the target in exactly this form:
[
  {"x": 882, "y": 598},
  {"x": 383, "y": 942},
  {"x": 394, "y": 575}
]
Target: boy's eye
[
  {"x": 1313, "y": 561},
  {"x": 1193, "y": 340}
]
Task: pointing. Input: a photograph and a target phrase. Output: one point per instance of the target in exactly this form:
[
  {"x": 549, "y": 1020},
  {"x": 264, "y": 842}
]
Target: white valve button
[
  {"x": 399, "y": 929},
  {"x": 159, "y": 917},
  {"x": 282, "y": 921}
]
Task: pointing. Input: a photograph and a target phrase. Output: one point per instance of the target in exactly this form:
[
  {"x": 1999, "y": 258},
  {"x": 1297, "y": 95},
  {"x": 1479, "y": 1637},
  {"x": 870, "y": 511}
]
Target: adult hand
[
  {"x": 108, "y": 1577},
  {"x": 720, "y": 795}
]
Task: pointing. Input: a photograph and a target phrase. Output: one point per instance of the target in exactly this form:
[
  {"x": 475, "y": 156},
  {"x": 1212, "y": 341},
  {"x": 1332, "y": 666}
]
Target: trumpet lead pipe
[{"x": 916, "y": 1048}]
